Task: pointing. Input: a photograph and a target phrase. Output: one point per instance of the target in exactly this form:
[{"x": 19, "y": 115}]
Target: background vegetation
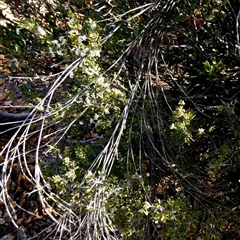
[{"x": 133, "y": 130}]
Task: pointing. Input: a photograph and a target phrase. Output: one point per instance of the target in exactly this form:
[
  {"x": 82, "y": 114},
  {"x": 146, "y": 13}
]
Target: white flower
[
  {"x": 106, "y": 86},
  {"x": 70, "y": 22},
  {"x": 93, "y": 26},
  {"x": 147, "y": 205},
  {"x": 77, "y": 51},
  {"x": 40, "y": 31},
  {"x": 116, "y": 92},
  {"x": 84, "y": 52},
  {"x": 56, "y": 43},
  {"x": 50, "y": 50},
  {"x": 96, "y": 116},
  {"x": 106, "y": 111},
  {"x": 82, "y": 38},
  {"x": 100, "y": 80},
  {"x": 161, "y": 209},
  {"x": 90, "y": 72},
  {"x": 95, "y": 53},
  {"x": 73, "y": 32},
  {"x": 63, "y": 40},
  {"x": 59, "y": 52},
  {"x": 200, "y": 131}
]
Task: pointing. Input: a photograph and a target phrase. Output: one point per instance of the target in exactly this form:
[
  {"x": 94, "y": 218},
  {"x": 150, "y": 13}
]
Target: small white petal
[
  {"x": 41, "y": 31},
  {"x": 70, "y": 22},
  {"x": 95, "y": 53},
  {"x": 73, "y": 32},
  {"x": 82, "y": 38},
  {"x": 59, "y": 52},
  {"x": 50, "y": 50},
  {"x": 93, "y": 26},
  {"x": 77, "y": 51},
  {"x": 54, "y": 42}
]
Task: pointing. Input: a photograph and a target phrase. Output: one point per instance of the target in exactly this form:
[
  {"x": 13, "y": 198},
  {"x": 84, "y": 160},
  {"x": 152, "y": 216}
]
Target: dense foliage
[{"x": 135, "y": 108}]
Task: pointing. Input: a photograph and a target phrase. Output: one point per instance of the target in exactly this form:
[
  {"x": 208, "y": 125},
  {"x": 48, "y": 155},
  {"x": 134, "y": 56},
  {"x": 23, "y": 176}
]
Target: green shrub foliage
[{"x": 149, "y": 111}]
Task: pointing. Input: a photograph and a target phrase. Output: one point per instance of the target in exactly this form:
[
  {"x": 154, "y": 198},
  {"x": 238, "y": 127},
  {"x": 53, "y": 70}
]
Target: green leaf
[
  {"x": 207, "y": 65},
  {"x": 181, "y": 18},
  {"x": 136, "y": 31},
  {"x": 225, "y": 2}
]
